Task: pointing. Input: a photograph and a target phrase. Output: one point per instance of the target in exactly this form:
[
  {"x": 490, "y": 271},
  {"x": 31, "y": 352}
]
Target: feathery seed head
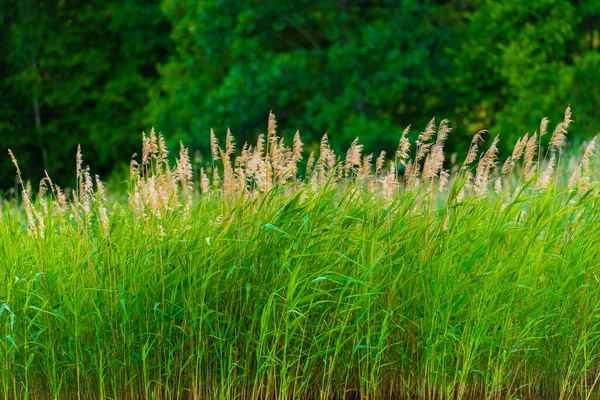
[
  {"x": 403, "y": 146},
  {"x": 428, "y": 132},
  {"x": 353, "y": 156},
  {"x": 544, "y": 126},
  {"x": 545, "y": 177},
  {"x": 214, "y": 145},
  {"x": 379, "y": 162},
  {"x": 559, "y": 136},
  {"x": 272, "y": 127},
  {"x": 229, "y": 143},
  {"x": 530, "y": 152},
  {"x": 16, "y": 164},
  {"x": 474, "y": 148},
  {"x": 297, "y": 148}
]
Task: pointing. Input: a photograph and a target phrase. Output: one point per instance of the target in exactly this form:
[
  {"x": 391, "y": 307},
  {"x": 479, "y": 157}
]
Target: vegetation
[
  {"x": 358, "y": 277},
  {"x": 95, "y": 72}
]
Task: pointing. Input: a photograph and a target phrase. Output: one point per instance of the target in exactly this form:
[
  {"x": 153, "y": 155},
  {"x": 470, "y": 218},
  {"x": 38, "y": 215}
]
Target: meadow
[{"x": 267, "y": 275}]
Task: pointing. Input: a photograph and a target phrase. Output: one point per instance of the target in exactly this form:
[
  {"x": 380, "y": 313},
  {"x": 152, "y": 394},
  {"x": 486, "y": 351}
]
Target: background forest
[{"x": 99, "y": 73}]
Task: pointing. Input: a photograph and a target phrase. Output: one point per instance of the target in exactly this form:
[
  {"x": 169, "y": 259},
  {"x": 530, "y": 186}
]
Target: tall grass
[{"x": 351, "y": 280}]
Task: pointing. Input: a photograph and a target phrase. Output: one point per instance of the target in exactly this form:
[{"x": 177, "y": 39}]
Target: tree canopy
[{"x": 99, "y": 72}]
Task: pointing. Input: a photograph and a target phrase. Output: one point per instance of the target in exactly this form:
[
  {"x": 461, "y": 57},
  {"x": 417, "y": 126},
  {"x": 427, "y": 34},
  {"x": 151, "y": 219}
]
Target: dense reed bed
[{"x": 355, "y": 278}]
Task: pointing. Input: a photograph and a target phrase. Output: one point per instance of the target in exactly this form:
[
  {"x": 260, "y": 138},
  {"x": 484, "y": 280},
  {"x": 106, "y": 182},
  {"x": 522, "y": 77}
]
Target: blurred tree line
[{"x": 99, "y": 72}]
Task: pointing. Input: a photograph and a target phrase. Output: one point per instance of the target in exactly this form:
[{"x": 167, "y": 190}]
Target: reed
[{"x": 354, "y": 278}]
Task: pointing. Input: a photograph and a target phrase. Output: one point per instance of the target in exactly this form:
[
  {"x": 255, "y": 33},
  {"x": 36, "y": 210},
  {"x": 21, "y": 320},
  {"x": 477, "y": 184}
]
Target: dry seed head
[
  {"x": 277, "y": 154},
  {"x": 254, "y": 163},
  {"x": 428, "y": 132},
  {"x": 166, "y": 190},
  {"x": 204, "y": 183},
  {"x": 183, "y": 169},
  {"x": 79, "y": 162},
  {"x": 403, "y": 146},
  {"x": 588, "y": 155},
  {"x": 490, "y": 156},
  {"x": 260, "y": 145},
  {"x": 353, "y": 156},
  {"x": 216, "y": 177},
  {"x": 145, "y": 148},
  {"x": 310, "y": 164},
  {"x": 29, "y": 209},
  {"x": 239, "y": 179},
  {"x": 135, "y": 200},
  {"x": 516, "y": 155},
  {"x": 228, "y": 174},
  {"x": 422, "y": 150},
  {"x": 327, "y": 156},
  {"x": 474, "y": 148},
  {"x": 40, "y": 224},
  {"x": 297, "y": 147},
  {"x": 486, "y": 163},
  {"x": 465, "y": 188},
  {"x": 519, "y": 148},
  {"x": 214, "y": 145},
  {"x": 410, "y": 175},
  {"x": 48, "y": 180},
  {"x": 229, "y": 143},
  {"x": 581, "y": 174},
  {"x": 88, "y": 185},
  {"x": 365, "y": 170},
  {"x": 544, "y": 126},
  {"x": 506, "y": 167},
  {"x": 14, "y": 161},
  {"x": 530, "y": 152},
  {"x": 544, "y": 179},
  {"x": 272, "y": 127},
  {"x": 153, "y": 141},
  {"x": 558, "y": 137},
  {"x": 245, "y": 155},
  {"x": 268, "y": 183},
  {"x": 101, "y": 209},
  {"x": 575, "y": 178},
  {"x": 163, "y": 152},
  {"x": 61, "y": 199},
  {"x": 433, "y": 164},
  {"x": 443, "y": 131},
  {"x": 43, "y": 189},
  {"x": 285, "y": 166},
  {"x": 390, "y": 182},
  {"x": 444, "y": 175},
  {"x": 435, "y": 161},
  {"x": 149, "y": 195},
  {"x": 133, "y": 170},
  {"x": 86, "y": 189},
  {"x": 379, "y": 162},
  {"x": 100, "y": 189},
  {"x": 471, "y": 154}
]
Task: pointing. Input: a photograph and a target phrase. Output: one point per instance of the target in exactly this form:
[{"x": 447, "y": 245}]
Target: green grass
[
  {"x": 337, "y": 295},
  {"x": 324, "y": 288}
]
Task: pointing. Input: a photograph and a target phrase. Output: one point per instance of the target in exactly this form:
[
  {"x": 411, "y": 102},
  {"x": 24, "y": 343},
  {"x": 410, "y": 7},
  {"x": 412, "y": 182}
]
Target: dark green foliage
[
  {"x": 88, "y": 65},
  {"x": 331, "y": 66},
  {"x": 101, "y": 72},
  {"x": 522, "y": 60}
]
